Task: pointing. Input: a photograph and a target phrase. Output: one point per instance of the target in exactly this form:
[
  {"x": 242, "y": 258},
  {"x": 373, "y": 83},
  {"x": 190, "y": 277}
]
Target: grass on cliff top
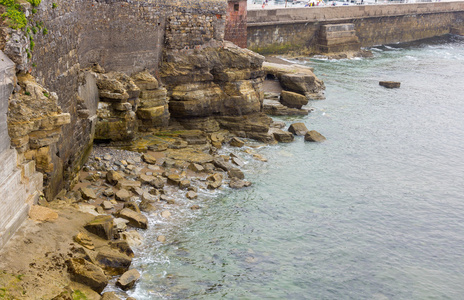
[{"x": 14, "y": 15}]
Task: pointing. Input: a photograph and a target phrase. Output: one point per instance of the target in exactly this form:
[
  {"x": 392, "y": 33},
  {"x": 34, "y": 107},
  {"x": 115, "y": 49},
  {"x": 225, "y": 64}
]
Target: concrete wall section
[
  {"x": 7, "y": 72},
  {"x": 13, "y": 205},
  {"x": 283, "y": 30}
]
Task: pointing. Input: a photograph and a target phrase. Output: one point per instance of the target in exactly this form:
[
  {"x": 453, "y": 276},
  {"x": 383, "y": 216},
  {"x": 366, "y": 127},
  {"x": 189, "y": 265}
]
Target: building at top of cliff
[{"x": 236, "y": 26}]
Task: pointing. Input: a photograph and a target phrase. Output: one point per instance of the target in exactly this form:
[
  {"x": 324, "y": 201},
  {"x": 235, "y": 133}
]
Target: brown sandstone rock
[
  {"x": 128, "y": 184},
  {"x": 314, "y": 136},
  {"x": 238, "y": 184},
  {"x": 87, "y": 273},
  {"x": 135, "y": 219},
  {"x": 113, "y": 177},
  {"x": 145, "y": 81},
  {"x": 101, "y": 226},
  {"x": 236, "y": 142},
  {"x": 298, "y": 129},
  {"x": 282, "y": 136},
  {"x": 196, "y": 167},
  {"x": 235, "y": 173},
  {"x": 123, "y": 195},
  {"x": 275, "y": 108},
  {"x": 42, "y": 214},
  {"x": 123, "y": 247},
  {"x": 133, "y": 206},
  {"x": 113, "y": 262},
  {"x": 128, "y": 279},
  {"x": 109, "y": 296},
  {"x": 191, "y": 195},
  {"x": 84, "y": 240},
  {"x": 390, "y": 84},
  {"x": 293, "y": 100},
  {"x": 88, "y": 193}
]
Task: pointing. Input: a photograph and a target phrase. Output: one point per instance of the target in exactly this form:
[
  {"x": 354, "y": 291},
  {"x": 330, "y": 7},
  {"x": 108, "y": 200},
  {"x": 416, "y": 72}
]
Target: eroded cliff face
[
  {"x": 65, "y": 39},
  {"x": 216, "y": 86},
  {"x": 109, "y": 70}
]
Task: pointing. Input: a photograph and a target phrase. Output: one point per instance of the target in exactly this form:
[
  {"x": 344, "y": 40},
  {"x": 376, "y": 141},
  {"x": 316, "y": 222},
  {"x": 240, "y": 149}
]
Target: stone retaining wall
[
  {"x": 21, "y": 185},
  {"x": 119, "y": 35},
  {"x": 296, "y": 29}
]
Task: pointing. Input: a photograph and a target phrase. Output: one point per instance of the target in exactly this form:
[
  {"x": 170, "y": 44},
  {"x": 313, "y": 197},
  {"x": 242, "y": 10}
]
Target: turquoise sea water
[{"x": 375, "y": 212}]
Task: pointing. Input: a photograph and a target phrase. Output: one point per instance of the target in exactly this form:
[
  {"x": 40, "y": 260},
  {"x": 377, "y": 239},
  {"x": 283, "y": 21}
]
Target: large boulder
[
  {"x": 296, "y": 78},
  {"x": 87, "y": 273},
  {"x": 113, "y": 262},
  {"x": 275, "y": 108},
  {"x": 298, "y": 129},
  {"x": 135, "y": 219},
  {"x": 314, "y": 136},
  {"x": 101, "y": 226},
  {"x": 128, "y": 279},
  {"x": 282, "y": 136},
  {"x": 293, "y": 100}
]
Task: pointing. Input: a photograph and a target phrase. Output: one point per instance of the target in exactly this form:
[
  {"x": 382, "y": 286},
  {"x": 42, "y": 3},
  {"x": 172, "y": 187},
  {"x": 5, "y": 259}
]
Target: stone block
[
  {"x": 293, "y": 100},
  {"x": 8, "y": 159},
  {"x": 151, "y": 113},
  {"x": 27, "y": 169},
  {"x": 55, "y": 121},
  {"x": 39, "y": 139},
  {"x": 12, "y": 197}
]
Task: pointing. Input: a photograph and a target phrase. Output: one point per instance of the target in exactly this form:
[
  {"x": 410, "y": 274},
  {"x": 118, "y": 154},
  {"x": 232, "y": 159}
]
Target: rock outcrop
[
  {"x": 216, "y": 86},
  {"x": 296, "y": 78}
]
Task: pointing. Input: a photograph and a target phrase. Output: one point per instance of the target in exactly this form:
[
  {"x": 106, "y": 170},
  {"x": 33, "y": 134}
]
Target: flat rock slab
[
  {"x": 275, "y": 108},
  {"x": 135, "y": 219},
  {"x": 189, "y": 155},
  {"x": 42, "y": 214},
  {"x": 390, "y": 84}
]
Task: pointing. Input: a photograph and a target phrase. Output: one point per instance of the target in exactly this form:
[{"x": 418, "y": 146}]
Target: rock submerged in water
[
  {"x": 298, "y": 129},
  {"x": 128, "y": 279},
  {"x": 314, "y": 136},
  {"x": 390, "y": 84}
]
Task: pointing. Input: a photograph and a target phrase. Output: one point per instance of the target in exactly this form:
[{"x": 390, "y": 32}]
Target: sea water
[{"x": 374, "y": 212}]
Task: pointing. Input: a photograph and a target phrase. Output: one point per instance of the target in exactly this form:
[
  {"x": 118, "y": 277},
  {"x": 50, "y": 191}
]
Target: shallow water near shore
[{"x": 375, "y": 212}]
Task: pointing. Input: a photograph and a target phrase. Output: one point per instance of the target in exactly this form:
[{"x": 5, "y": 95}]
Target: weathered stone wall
[
  {"x": 19, "y": 185},
  {"x": 119, "y": 35},
  {"x": 284, "y": 30},
  {"x": 236, "y": 28}
]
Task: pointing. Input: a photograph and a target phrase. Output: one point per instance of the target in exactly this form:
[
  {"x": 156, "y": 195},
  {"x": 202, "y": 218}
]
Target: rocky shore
[{"x": 72, "y": 246}]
